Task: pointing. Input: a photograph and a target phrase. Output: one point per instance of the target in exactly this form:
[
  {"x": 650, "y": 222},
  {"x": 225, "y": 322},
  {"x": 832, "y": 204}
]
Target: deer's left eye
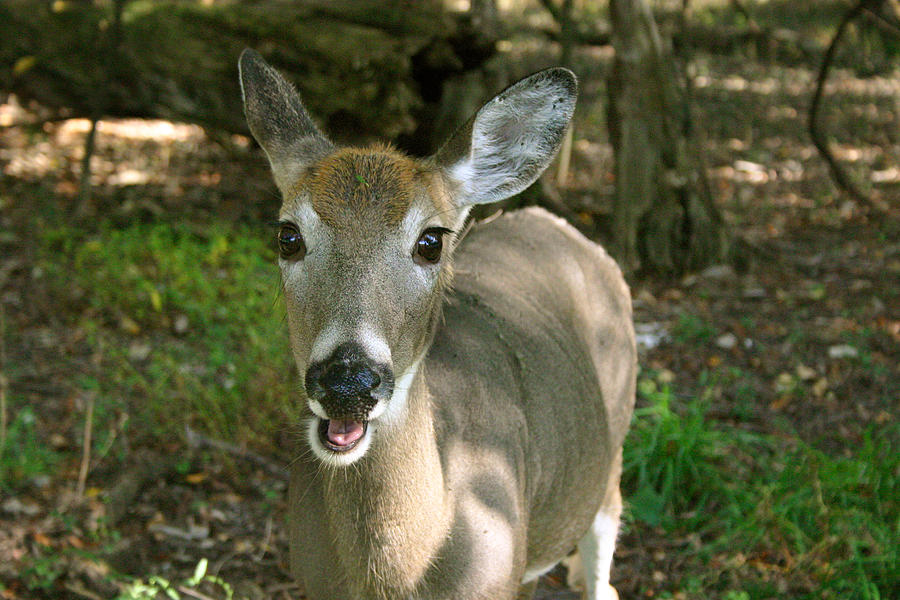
[
  {"x": 429, "y": 245},
  {"x": 290, "y": 242}
]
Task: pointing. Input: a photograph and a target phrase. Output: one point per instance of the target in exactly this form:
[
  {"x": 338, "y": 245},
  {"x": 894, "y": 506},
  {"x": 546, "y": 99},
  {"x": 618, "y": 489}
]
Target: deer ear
[
  {"x": 510, "y": 141},
  {"x": 278, "y": 120}
]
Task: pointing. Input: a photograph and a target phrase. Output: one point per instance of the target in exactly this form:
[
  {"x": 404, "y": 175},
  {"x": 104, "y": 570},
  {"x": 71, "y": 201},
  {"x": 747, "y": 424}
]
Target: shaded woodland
[{"x": 739, "y": 158}]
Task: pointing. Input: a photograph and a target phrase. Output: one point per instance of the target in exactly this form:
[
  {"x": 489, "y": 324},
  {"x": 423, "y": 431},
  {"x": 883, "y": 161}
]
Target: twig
[
  {"x": 883, "y": 22},
  {"x": 837, "y": 172},
  {"x": 188, "y": 591},
  {"x": 86, "y": 448},
  {"x": 267, "y": 538},
  {"x": 77, "y": 588},
  {"x": 113, "y": 48},
  {"x": 84, "y": 191},
  {"x": 4, "y": 415},
  {"x": 198, "y": 440}
]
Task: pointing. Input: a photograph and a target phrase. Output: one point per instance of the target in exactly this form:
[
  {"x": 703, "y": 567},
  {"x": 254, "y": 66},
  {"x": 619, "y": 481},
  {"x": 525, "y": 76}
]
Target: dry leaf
[{"x": 195, "y": 478}]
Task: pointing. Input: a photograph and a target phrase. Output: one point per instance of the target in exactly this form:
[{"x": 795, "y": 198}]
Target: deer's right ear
[
  {"x": 511, "y": 139},
  {"x": 278, "y": 120}
]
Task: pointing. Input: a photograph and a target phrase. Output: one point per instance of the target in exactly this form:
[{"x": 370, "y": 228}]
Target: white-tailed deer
[{"x": 459, "y": 439}]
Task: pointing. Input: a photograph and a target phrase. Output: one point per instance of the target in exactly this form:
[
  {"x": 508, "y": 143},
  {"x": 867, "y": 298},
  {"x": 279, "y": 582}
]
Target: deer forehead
[{"x": 369, "y": 187}]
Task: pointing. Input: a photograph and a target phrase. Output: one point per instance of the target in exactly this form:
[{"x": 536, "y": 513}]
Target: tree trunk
[{"x": 664, "y": 217}]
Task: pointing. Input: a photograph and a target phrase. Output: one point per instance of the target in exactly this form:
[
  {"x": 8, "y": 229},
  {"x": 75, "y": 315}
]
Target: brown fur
[{"x": 376, "y": 184}]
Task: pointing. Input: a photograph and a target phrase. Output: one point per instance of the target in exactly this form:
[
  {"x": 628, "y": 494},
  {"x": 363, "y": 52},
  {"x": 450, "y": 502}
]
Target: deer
[{"x": 465, "y": 388}]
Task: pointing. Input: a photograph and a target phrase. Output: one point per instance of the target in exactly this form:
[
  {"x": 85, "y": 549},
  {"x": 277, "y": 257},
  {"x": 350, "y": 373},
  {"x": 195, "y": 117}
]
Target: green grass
[
  {"x": 691, "y": 329},
  {"x": 24, "y": 455},
  {"x": 766, "y": 509},
  {"x": 188, "y": 324}
]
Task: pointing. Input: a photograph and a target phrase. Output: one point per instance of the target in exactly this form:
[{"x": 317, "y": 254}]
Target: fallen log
[{"x": 355, "y": 60}]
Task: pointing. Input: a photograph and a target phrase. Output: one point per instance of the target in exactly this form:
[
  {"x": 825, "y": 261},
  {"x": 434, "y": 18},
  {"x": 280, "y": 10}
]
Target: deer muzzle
[{"x": 347, "y": 385}]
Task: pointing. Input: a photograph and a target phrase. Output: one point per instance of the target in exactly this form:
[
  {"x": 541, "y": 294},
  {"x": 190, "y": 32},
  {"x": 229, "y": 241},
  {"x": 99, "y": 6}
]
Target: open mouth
[{"x": 341, "y": 435}]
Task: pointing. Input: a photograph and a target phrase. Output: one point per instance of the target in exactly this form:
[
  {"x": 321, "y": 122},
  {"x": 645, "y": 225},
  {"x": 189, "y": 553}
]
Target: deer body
[{"x": 460, "y": 439}]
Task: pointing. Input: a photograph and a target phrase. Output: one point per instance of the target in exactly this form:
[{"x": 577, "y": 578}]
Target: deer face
[
  {"x": 366, "y": 237},
  {"x": 365, "y": 240}
]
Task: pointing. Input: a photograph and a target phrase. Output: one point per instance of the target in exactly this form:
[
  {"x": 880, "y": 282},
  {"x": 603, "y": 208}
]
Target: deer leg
[{"x": 597, "y": 546}]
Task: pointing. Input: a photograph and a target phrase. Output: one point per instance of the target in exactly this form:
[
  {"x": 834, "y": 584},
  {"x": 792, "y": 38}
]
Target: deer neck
[{"x": 391, "y": 509}]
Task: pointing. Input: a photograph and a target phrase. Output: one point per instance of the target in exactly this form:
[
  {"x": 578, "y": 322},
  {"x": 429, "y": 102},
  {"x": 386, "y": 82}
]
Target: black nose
[{"x": 348, "y": 382}]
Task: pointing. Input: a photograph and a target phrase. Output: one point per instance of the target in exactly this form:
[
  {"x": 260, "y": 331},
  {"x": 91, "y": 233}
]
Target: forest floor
[{"x": 763, "y": 462}]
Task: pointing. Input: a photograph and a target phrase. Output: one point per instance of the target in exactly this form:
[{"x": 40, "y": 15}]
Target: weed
[
  {"x": 832, "y": 521},
  {"x": 670, "y": 460},
  {"x": 42, "y": 572},
  {"x": 691, "y": 329},
  {"x": 25, "y": 455},
  {"x": 156, "y": 586}
]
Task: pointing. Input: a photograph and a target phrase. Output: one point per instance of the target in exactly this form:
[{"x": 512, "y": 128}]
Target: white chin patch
[
  {"x": 316, "y": 407},
  {"x": 330, "y": 457}
]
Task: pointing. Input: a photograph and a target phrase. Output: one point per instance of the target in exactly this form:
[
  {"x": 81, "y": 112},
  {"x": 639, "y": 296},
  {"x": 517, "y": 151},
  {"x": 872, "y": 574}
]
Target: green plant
[
  {"x": 691, "y": 329},
  {"x": 838, "y": 515},
  {"x": 156, "y": 587},
  {"x": 25, "y": 454},
  {"x": 670, "y": 459},
  {"x": 42, "y": 572},
  {"x": 764, "y": 503}
]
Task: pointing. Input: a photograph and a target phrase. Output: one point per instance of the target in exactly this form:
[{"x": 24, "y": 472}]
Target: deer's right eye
[{"x": 290, "y": 242}]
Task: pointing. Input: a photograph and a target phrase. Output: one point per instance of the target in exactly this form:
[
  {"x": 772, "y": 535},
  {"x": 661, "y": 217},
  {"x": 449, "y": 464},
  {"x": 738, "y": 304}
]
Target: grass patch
[
  {"x": 24, "y": 455},
  {"x": 188, "y": 325},
  {"x": 691, "y": 329},
  {"x": 764, "y": 510}
]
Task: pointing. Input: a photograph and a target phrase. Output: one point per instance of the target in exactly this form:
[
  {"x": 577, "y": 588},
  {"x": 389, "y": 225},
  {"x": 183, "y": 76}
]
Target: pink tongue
[{"x": 343, "y": 433}]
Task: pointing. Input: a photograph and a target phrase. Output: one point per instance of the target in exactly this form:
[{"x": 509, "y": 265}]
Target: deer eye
[
  {"x": 290, "y": 242},
  {"x": 429, "y": 245}
]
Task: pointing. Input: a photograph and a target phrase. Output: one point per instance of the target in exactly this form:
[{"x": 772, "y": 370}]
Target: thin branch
[
  {"x": 113, "y": 46},
  {"x": 4, "y": 415},
  {"x": 886, "y": 24},
  {"x": 84, "y": 192},
  {"x": 837, "y": 172},
  {"x": 194, "y": 593},
  {"x": 86, "y": 448},
  {"x": 198, "y": 440}
]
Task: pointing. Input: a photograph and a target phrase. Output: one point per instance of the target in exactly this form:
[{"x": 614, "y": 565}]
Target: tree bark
[{"x": 665, "y": 220}]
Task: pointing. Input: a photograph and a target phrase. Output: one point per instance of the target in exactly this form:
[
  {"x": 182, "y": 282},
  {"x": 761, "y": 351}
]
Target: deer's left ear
[
  {"x": 278, "y": 120},
  {"x": 510, "y": 141}
]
